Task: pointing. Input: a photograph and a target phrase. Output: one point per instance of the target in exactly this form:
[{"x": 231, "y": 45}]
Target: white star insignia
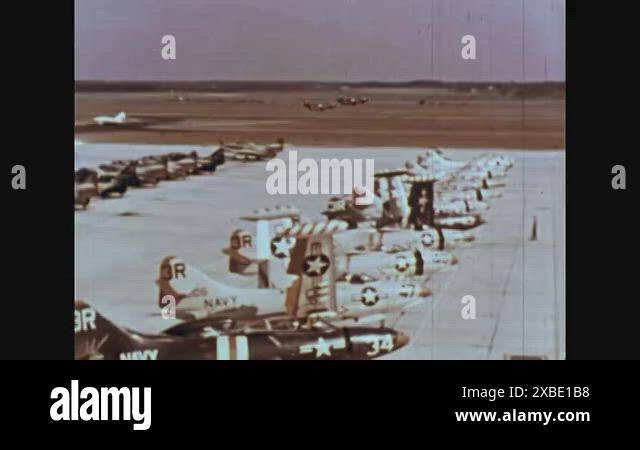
[
  {"x": 427, "y": 240},
  {"x": 282, "y": 248},
  {"x": 401, "y": 264},
  {"x": 321, "y": 348},
  {"x": 369, "y": 296},
  {"x": 316, "y": 266}
]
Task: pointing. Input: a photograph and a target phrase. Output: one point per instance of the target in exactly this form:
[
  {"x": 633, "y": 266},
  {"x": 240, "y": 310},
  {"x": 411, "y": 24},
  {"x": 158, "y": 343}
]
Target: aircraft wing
[{"x": 249, "y": 154}]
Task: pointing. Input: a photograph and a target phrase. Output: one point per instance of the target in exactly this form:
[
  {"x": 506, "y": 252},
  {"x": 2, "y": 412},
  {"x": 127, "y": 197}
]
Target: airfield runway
[
  {"x": 517, "y": 283},
  {"x": 449, "y": 118}
]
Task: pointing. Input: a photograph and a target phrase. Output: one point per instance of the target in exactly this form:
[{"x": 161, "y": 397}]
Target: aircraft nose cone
[
  {"x": 401, "y": 340},
  {"x": 425, "y": 292}
]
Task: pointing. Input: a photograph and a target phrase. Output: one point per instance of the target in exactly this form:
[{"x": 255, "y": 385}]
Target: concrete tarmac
[{"x": 518, "y": 284}]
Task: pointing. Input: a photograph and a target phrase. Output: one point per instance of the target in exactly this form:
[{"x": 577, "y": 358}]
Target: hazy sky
[{"x": 328, "y": 40}]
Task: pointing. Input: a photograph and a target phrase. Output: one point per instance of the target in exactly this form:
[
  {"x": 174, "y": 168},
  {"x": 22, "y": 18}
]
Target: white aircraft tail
[
  {"x": 436, "y": 157},
  {"x": 121, "y": 117},
  {"x": 392, "y": 191},
  {"x": 244, "y": 250},
  {"x": 177, "y": 277},
  {"x": 197, "y": 295},
  {"x": 304, "y": 254}
]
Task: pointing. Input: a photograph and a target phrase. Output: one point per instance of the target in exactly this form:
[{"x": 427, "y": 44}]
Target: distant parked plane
[
  {"x": 118, "y": 119},
  {"x": 318, "y": 106}
]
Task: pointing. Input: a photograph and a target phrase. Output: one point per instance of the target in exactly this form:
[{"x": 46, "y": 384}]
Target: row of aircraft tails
[{"x": 323, "y": 290}]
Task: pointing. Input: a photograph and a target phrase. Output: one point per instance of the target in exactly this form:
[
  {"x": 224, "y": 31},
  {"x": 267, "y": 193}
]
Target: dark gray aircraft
[{"x": 268, "y": 337}]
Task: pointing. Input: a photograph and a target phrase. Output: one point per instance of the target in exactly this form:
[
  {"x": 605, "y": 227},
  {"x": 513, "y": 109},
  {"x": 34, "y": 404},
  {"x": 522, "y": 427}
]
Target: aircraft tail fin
[
  {"x": 179, "y": 279},
  {"x": 197, "y": 295},
  {"x": 269, "y": 222},
  {"x": 121, "y": 116},
  {"x": 95, "y": 335},
  {"x": 241, "y": 252},
  {"x": 390, "y": 183},
  {"x": 310, "y": 259}
]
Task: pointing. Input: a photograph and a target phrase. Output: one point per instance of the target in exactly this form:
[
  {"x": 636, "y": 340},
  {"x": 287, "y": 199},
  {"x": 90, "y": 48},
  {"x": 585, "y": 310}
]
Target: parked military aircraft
[
  {"x": 190, "y": 294},
  {"x": 410, "y": 220},
  {"x": 109, "y": 184},
  {"x": 283, "y": 337},
  {"x": 366, "y": 294},
  {"x": 248, "y": 248},
  {"x": 118, "y": 119},
  {"x": 318, "y": 106},
  {"x": 435, "y": 165},
  {"x": 306, "y": 252},
  {"x": 137, "y": 173},
  {"x": 400, "y": 263},
  {"x": 227, "y": 339},
  {"x": 278, "y": 237},
  {"x": 315, "y": 280},
  {"x": 388, "y": 239},
  {"x": 352, "y": 101},
  {"x": 251, "y": 152}
]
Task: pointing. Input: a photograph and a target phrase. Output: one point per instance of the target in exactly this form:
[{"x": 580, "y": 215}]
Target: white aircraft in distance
[
  {"x": 468, "y": 194},
  {"x": 489, "y": 166},
  {"x": 442, "y": 175},
  {"x": 433, "y": 163},
  {"x": 486, "y": 160},
  {"x": 459, "y": 185},
  {"x": 118, "y": 119}
]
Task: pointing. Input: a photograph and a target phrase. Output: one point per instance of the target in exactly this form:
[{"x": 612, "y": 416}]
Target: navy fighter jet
[
  {"x": 275, "y": 337},
  {"x": 118, "y": 119}
]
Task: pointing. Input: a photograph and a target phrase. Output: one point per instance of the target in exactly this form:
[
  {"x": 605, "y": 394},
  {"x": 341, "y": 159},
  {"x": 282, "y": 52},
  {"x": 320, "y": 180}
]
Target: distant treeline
[{"x": 239, "y": 86}]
